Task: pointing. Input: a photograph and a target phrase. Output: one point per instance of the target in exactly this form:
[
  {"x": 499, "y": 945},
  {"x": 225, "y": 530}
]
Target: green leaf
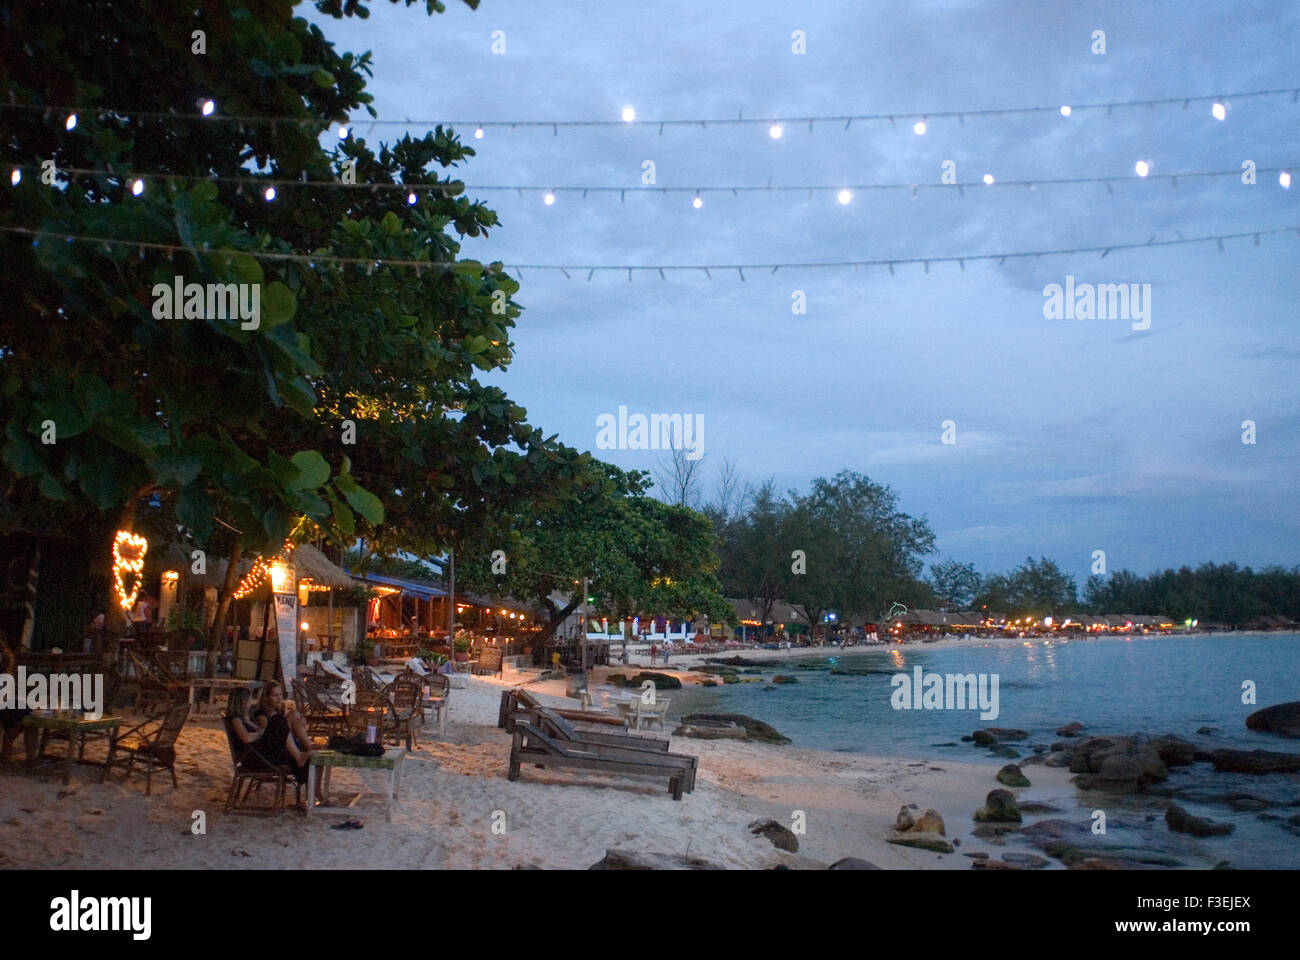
[
  {"x": 344, "y": 520},
  {"x": 277, "y": 304},
  {"x": 476, "y": 344},
  {"x": 313, "y": 470},
  {"x": 323, "y": 79},
  {"x": 365, "y": 503}
]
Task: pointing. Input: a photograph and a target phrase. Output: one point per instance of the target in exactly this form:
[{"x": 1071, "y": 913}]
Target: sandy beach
[{"x": 454, "y": 791}]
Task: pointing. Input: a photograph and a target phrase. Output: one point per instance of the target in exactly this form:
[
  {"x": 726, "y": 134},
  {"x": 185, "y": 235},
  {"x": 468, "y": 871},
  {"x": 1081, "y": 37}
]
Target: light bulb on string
[
  {"x": 1066, "y": 110},
  {"x": 208, "y": 107},
  {"x": 1219, "y": 111},
  {"x": 1142, "y": 168},
  {"x": 918, "y": 128},
  {"x": 549, "y": 198},
  {"x": 478, "y": 133},
  {"x": 411, "y": 198},
  {"x": 988, "y": 179},
  {"x": 270, "y": 194},
  {"x": 775, "y": 131},
  {"x": 137, "y": 188},
  {"x": 629, "y": 114},
  {"x": 16, "y": 177},
  {"x": 1284, "y": 179},
  {"x": 344, "y": 130},
  {"x": 72, "y": 122},
  {"x": 844, "y": 196},
  {"x": 697, "y": 202}
]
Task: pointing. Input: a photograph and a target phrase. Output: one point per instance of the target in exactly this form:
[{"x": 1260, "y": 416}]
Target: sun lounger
[
  {"x": 533, "y": 746},
  {"x": 619, "y": 747},
  {"x": 516, "y": 701}
]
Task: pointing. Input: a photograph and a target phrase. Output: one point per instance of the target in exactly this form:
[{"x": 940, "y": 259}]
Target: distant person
[{"x": 654, "y": 652}]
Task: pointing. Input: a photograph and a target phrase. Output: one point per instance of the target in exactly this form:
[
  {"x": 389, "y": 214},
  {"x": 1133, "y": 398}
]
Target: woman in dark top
[
  {"x": 11, "y": 721},
  {"x": 264, "y": 739}
]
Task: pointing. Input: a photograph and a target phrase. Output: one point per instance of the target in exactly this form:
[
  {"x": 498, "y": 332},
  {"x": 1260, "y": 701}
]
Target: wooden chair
[
  {"x": 405, "y": 695},
  {"x": 531, "y": 745},
  {"x": 489, "y": 661},
  {"x": 435, "y": 692},
  {"x": 151, "y": 742},
  {"x": 366, "y": 680},
  {"x": 516, "y": 701},
  {"x": 250, "y": 772},
  {"x": 155, "y": 688},
  {"x": 321, "y": 719}
]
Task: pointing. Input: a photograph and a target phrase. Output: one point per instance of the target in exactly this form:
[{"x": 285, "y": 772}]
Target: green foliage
[
  {"x": 1211, "y": 593},
  {"x": 1038, "y": 587}
]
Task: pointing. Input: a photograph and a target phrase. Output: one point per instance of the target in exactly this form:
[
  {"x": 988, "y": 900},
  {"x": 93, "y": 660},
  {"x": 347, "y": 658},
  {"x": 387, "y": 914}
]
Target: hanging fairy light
[
  {"x": 478, "y": 133},
  {"x": 16, "y": 177},
  {"x": 411, "y": 198},
  {"x": 775, "y": 131},
  {"x": 264, "y": 567},
  {"x": 1066, "y": 110},
  {"x": 918, "y": 128},
  {"x": 208, "y": 107},
  {"x": 988, "y": 179},
  {"x": 270, "y": 194},
  {"x": 844, "y": 196},
  {"x": 135, "y": 548},
  {"x": 549, "y": 198},
  {"x": 629, "y": 114},
  {"x": 1284, "y": 179},
  {"x": 137, "y": 188},
  {"x": 1142, "y": 168},
  {"x": 71, "y": 122},
  {"x": 1219, "y": 111}
]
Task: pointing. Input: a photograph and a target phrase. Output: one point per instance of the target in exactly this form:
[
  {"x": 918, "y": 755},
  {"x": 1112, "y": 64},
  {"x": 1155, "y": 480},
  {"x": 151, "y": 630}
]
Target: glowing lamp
[{"x": 279, "y": 576}]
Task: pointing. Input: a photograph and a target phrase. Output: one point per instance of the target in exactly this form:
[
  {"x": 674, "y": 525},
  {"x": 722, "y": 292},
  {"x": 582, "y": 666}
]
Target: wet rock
[
  {"x": 993, "y": 832},
  {"x": 662, "y": 681},
  {"x": 930, "y": 822},
  {"x": 923, "y": 840},
  {"x": 1011, "y": 776},
  {"x": 1206, "y": 731},
  {"x": 967, "y": 739},
  {"x": 1070, "y": 729},
  {"x": 1057, "y": 760},
  {"x": 976, "y": 855},
  {"x": 1029, "y": 860},
  {"x": 1281, "y": 718},
  {"x": 782, "y": 678},
  {"x": 781, "y": 836},
  {"x": 852, "y": 863},
  {"x": 1054, "y": 830},
  {"x": 754, "y": 729},
  {"x": 632, "y": 860},
  {"x": 999, "y": 807},
  {"x": 1180, "y": 820},
  {"x": 906, "y": 816},
  {"x": 991, "y": 735},
  {"x": 993, "y": 865},
  {"x": 1008, "y": 753},
  {"x": 711, "y": 731},
  {"x": 1174, "y": 751},
  {"x": 1256, "y": 761}
]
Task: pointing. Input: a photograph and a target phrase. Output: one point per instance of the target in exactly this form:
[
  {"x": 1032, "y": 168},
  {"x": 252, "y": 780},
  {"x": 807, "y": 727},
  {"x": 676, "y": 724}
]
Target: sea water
[{"x": 1174, "y": 684}]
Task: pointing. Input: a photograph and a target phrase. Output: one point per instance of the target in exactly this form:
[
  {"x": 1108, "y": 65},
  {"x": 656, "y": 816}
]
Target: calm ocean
[{"x": 1149, "y": 685}]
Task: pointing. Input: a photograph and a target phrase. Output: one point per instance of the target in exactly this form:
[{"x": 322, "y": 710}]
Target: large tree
[{"x": 355, "y": 396}]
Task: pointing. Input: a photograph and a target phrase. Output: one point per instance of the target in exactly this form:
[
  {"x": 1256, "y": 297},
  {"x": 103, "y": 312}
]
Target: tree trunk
[
  {"x": 557, "y": 618},
  {"x": 227, "y": 596}
]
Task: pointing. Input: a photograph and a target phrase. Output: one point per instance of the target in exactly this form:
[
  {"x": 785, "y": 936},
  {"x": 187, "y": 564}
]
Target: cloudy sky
[{"x": 1072, "y": 435}]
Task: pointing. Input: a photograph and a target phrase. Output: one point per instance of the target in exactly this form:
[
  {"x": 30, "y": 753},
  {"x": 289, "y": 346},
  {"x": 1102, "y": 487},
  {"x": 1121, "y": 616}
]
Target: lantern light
[
  {"x": 697, "y": 202},
  {"x": 72, "y": 122},
  {"x": 775, "y": 131},
  {"x": 629, "y": 114},
  {"x": 918, "y": 128},
  {"x": 478, "y": 133},
  {"x": 1142, "y": 167},
  {"x": 344, "y": 130},
  {"x": 279, "y": 575},
  {"x": 549, "y": 198},
  {"x": 137, "y": 188},
  {"x": 844, "y": 197},
  {"x": 1283, "y": 179},
  {"x": 410, "y": 198},
  {"x": 988, "y": 179},
  {"x": 270, "y": 194},
  {"x": 16, "y": 177},
  {"x": 208, "y": 107},
  {"x": 1219, "y": 111},
  {"x": 1066, "y": 111}
]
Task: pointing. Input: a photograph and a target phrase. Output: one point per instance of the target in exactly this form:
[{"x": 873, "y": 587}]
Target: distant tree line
[{"x": 1212, "y": 593}]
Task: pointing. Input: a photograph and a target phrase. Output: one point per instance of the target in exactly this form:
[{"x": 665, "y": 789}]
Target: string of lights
[
  {"x": 662, "y": 269},
  {"x": 844, "y": 192},
  {"x": 207, "y": 110}
]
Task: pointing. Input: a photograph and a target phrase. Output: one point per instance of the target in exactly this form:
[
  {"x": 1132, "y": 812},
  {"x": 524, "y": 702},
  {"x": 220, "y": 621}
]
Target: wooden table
[
  {"x": 327, "y": 760},
  {"x": 221, "y": 683},
  {"x": 76, "y": 729}
]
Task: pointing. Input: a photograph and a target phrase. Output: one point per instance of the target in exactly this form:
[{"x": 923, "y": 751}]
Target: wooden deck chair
[
  {"x": 156, "y": 688},
  {"x": 517, "y": 701},
  {"x": 613, "y": 745},
  {"x": 530, "y": 745},
  {"x": 152, "y": 742},
  {"x": 321, "y": 719},
  {"x": 250, "y": 774}
]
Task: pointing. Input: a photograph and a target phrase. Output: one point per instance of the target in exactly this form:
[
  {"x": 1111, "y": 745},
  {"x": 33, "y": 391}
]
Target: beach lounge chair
[
  {"x": 516, "y": 701},
  {"x": 531, "y": 745},
  {"x": 151, "y": 742},
  {"x": 331, "y": 671},
  {"x": 614, "y": 745}
]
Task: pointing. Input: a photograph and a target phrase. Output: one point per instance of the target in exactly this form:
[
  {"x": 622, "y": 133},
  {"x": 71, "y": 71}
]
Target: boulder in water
[
  {"x": 1011, "y": 776},
  {"x": 754, "y": 729},
  {"x": 1256, "y": 761},
  {"x": 1182, "y": 821},
  {"x": 999, "y": 807},
  {"x": 1281, "y": 718}
]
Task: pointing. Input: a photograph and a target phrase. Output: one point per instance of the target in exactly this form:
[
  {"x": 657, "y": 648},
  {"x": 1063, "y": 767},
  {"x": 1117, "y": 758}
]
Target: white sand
[{"x": 452, "y": 792}]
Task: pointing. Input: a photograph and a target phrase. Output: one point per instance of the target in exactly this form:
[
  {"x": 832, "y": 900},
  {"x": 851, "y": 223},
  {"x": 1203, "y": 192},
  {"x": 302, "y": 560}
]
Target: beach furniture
[
  {"x": 248, "y": 778},
  {"x": 616, "y": 746},
  {"x": 152, "y": 743},
  {"x": 322, "y": 720},
  {"x": 155, "y": 686},
  {"x": 318, "y": 783},
  {"x": 531, "y": 745},
  {"x": 75, "y": 731},
  {"x": 330, "y": 669},
  {"x": 517, "y": 701},
  {"x": 435, "y": 691},
  {"x": 489, "y": 660},
  {"x": 216, "y": 684}
]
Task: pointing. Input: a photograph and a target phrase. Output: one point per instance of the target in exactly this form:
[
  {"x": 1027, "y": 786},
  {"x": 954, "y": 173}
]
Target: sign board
[{"x": 286, "y": 624}]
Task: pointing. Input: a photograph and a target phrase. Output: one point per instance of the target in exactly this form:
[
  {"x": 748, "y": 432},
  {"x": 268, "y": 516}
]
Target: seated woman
[{"x": 266, "y": 739}]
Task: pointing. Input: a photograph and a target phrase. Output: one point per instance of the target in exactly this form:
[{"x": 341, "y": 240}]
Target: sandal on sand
[{"x": 348, "y": 825}]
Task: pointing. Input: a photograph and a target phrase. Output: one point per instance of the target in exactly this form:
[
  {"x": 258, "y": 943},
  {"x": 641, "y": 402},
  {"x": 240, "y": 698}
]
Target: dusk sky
[{"x": 1072, "y": 435}]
